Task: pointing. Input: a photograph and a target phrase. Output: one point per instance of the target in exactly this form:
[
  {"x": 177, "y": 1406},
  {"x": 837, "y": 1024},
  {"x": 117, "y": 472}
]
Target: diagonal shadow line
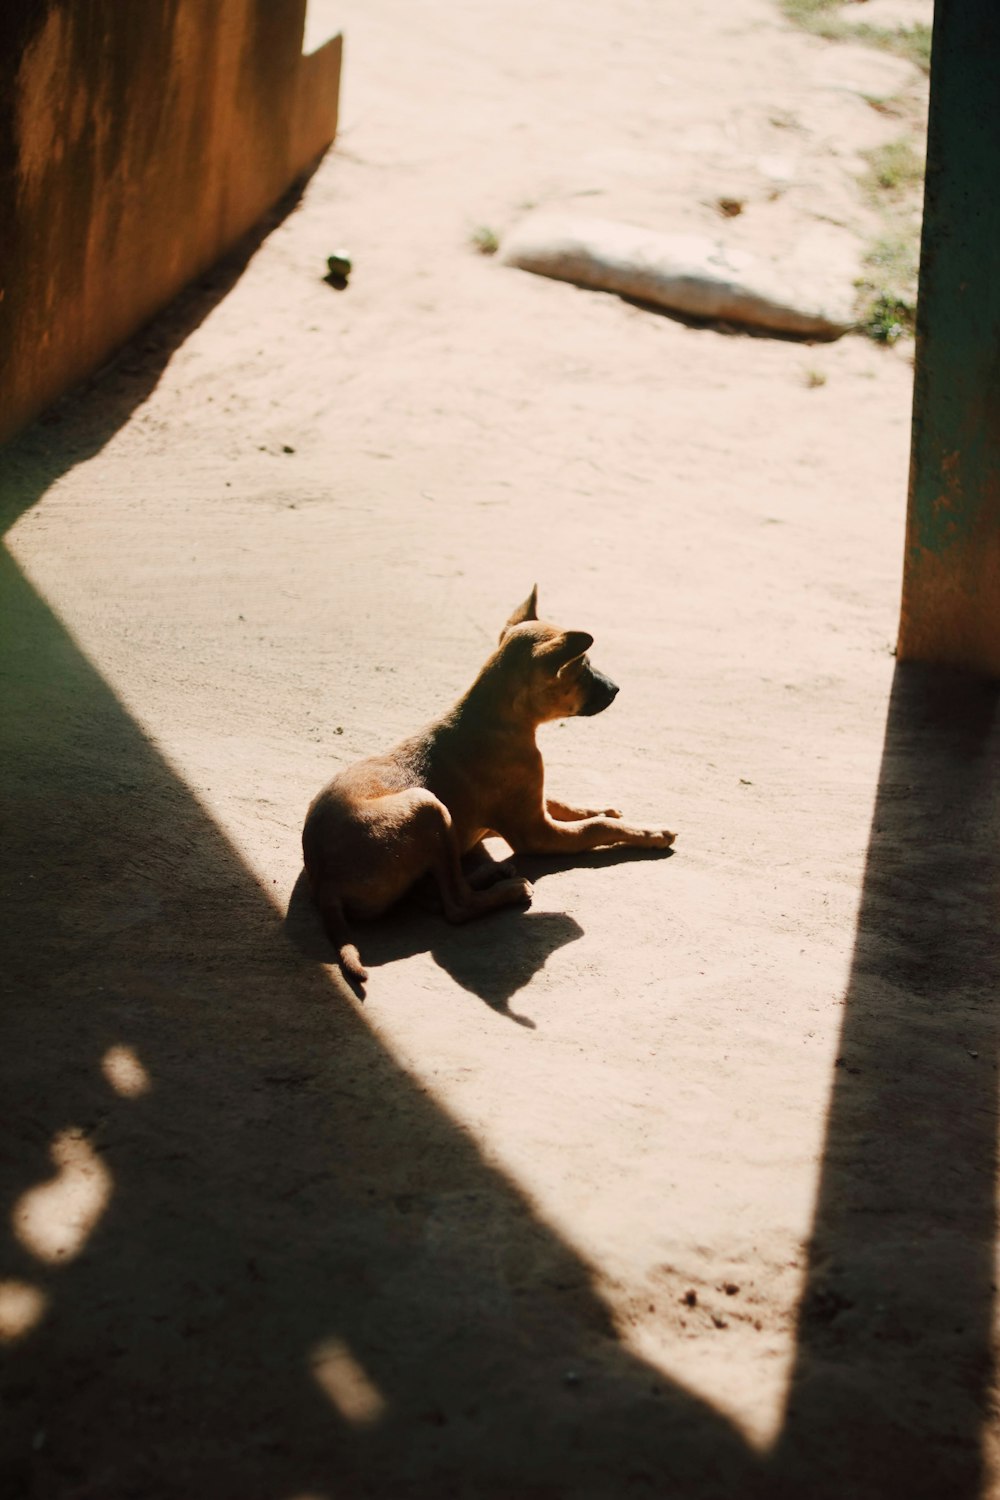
[
  {"x": 894, "y": 1366},
  {"x": 288, "y": 1208},
  {"x": 284, "y": 1194}
]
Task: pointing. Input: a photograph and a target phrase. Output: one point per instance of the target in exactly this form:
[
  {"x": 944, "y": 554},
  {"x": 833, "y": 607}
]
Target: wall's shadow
[{"x": 894, "y": 1369}]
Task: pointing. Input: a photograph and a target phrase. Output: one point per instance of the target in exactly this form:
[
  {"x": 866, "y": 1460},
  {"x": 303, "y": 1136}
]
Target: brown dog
[{"x": 385, "y": 822}]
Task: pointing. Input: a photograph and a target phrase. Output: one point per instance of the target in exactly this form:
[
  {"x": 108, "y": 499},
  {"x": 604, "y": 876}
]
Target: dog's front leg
[
  {"x": 564, "y": 813},
  {"x": 545, "y": 835}
]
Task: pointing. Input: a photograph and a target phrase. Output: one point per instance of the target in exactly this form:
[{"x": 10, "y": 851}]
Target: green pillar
[{"x": 951, "y": 577}]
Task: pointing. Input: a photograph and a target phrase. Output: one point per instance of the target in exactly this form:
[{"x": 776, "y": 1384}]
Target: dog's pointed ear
[
  {"x": 526, "y": 611},
  {"x": 565, "y": 648}
]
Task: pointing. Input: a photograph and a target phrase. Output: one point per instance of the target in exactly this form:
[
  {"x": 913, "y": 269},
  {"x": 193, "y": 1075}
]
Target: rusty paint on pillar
[
  {"x": 138, "y": 143},
  {"x": 951, "y": 577}
]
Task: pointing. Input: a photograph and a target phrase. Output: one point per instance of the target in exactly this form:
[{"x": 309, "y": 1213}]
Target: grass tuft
[
  {"x": 484, "y": 240},
  {"x": 887, "y": 318},
  {"x": 825, "y": 18},
  {"x": 894, "y": 170},
  {"x": 887, "y": 293}
]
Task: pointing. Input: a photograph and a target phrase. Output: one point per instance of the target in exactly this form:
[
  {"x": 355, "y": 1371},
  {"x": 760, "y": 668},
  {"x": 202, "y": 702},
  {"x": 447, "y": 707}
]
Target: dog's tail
[{"x": 331, "y": 909}]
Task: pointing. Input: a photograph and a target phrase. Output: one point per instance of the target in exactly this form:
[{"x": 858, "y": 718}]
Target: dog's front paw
[
  {"x": 517, "y": 891},
  {"x": 491, "y": 872},
  {"x": 660, "y": 838}
]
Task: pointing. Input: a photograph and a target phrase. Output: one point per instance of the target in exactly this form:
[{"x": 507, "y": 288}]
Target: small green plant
[
  {"x": 484, "y": 240},
  {"x": 888, "y": 318},
  {"x": 814, "y": 379},
  {"x": 887, "y": 292}
]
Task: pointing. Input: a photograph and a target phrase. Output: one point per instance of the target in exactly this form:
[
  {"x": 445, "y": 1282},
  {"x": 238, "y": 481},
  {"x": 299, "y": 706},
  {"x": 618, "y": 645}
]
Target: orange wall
[{"x": 138, "y": 142}]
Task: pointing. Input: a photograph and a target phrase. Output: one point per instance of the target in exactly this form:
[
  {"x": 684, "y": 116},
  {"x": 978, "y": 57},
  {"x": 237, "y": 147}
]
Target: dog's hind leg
[
  {"x": 398, "y": 839},
  {"x": 460, "y": 900}
]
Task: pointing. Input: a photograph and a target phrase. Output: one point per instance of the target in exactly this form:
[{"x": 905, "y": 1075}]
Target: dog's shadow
[
  {"x": 493, "y": 956},
  {"x": 535, "y": 867}
]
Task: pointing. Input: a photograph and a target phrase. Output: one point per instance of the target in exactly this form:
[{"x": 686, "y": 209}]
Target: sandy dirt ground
[{"x": 680, "y": 1183}]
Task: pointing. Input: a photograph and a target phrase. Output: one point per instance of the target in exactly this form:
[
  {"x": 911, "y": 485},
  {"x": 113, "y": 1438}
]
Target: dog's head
[{"x": 554, "y": 672}]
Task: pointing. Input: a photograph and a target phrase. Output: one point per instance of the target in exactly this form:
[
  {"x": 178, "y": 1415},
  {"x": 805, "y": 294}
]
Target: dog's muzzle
[{"x": 601, "y": 694}]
